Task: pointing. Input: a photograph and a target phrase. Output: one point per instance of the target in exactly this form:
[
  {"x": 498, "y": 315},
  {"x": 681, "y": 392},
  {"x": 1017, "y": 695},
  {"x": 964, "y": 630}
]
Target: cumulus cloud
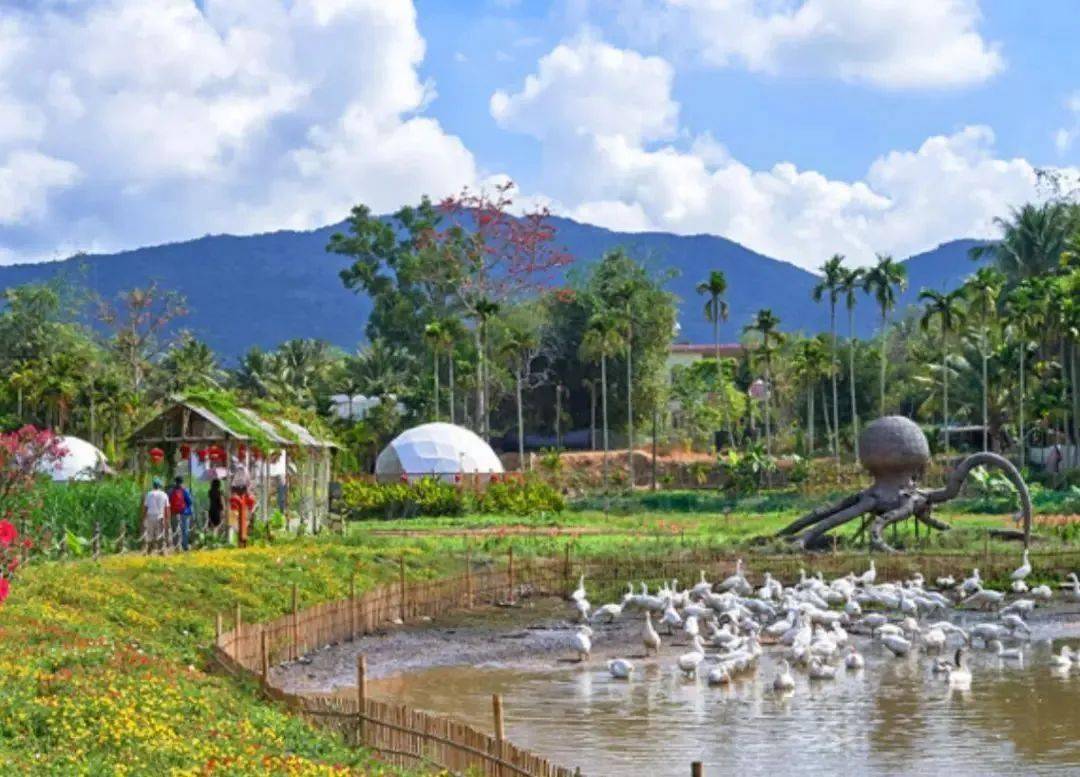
[
  {"x": 602, "y": 171},
  {"x": 898, "y": 44},
  {"x": 1065, "y": 137},
  {"x": 174, "y": 118}
]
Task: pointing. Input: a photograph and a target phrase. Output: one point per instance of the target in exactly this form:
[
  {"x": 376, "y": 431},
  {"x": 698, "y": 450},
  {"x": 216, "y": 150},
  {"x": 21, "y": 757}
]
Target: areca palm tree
[
  {"x": 948, "y": 309},
  {"x": 716, "y": 311},
  {"x": 1027, "y": 313},
  {"x": 812, "y": 363},
  {"x": 520, "y": 346},
  {"x": 831, "y": 284},
  {"x": 766, "y": 325},
  {"x": 884, "y": 280},
  {"x": 433, "y": 335},
  {"x": 982, "y": 291},
  {"x": 851, "y": 283},
  {"x": 483, "y": 311},
  {"x": 602, "y": 339}
]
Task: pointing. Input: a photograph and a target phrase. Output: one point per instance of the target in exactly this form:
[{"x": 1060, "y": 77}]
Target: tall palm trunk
[
  {"x": 768, "y": 400},
  {"x": 985, "y": 389},
  {"x": 945, "y": 384},
  {"x": 825, "y": 417},
  {"x": 884, "y": 357},
  {"x": 810, "y": 420},
  {"x": 725, "y": 405},
  {"x": 1020, "y": 416},
  {"x": 835, "y": 389},
  {"x": 435, "y": 372},
  {"x": 851, "y": 382},
  {"x": 520, "y": 422},
  {"x": 630, "y": 403},
  {"x": 480, "y": 409},
  {"x": 604, "y": 420},
  {"x": 450, "y": 384},
  {"x": 592, "y": 416}
]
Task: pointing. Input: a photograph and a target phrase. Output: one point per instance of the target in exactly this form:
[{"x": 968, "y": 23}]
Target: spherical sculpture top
[{"x": 893, "y": 445}]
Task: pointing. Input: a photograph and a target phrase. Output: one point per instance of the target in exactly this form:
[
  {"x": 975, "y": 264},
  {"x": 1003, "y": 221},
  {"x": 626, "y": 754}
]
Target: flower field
[{"x": 103, "y": 668}]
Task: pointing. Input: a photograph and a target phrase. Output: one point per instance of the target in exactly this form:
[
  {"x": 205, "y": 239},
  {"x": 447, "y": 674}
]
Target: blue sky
[{"x": 797, "y": 127}]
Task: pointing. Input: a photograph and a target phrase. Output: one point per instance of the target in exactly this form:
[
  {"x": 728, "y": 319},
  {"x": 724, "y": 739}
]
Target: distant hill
[{"x": 263, "y": 289}]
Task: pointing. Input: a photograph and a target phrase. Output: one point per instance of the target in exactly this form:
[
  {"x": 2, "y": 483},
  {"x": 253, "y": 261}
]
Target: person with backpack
[{"x": 180, "y": 506}]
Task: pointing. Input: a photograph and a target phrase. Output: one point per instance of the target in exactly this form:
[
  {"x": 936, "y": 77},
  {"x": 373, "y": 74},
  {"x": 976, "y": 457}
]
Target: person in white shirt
[{"x": 156, "y": 516}]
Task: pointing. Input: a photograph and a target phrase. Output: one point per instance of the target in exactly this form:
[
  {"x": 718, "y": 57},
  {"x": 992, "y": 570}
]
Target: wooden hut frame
[{"x": 188, "y": 423}]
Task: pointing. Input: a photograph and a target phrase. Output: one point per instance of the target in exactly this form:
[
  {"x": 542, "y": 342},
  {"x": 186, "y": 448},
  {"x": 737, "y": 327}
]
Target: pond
[{"x": 893, "y": 717}]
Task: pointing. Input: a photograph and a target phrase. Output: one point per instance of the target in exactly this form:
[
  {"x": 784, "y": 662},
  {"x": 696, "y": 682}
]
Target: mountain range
[{"x": 244, "y": 291}]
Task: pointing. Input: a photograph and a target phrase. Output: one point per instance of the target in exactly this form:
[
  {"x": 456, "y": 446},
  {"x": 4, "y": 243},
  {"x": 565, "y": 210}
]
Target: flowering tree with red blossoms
[{"x": 23, "y": 455}]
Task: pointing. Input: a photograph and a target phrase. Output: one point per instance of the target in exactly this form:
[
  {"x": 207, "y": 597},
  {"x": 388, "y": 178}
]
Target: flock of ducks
[{"x": 726, "y": 623}]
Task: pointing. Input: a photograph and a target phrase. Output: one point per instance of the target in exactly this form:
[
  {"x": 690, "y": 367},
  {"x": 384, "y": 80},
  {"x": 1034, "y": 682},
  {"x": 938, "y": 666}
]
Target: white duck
[
  {"x": 608, "y": 612},
  {"x": 582, "y": 642},
  {"x": 1008, "y": 654},
  {"x": 620, "y": 668},
  {"x": 649, "y": 637},
  {"x": 1019, "y": 587},
  {"x": 689, "y": 662},
  {"x": 1064, "y": 659},
  {"x": 946, "y": 582},
  {"x": 1072, "y": 591},
  {"x": 582, "y": 606},
  {"x": 984, "y": 599},
  {"x": 972, "y": 584},
  {"x": 719, "y": 675},
  {"x": 821, "y": 671},
  {"x": 1022, "y": 571},
  {"x": 1042, "y": 593},
  {"x": 898, "y": 646},
  {"x": 579, "y": 592},
  {"x": 934, "y": 639},
  {"x": 869, "y": 576},
  {"x": 671, "y": 618},
  {"x": 691, "y": 627},
  {"x": 854, "y": 660},
  {"x": 783, "y": 680}
]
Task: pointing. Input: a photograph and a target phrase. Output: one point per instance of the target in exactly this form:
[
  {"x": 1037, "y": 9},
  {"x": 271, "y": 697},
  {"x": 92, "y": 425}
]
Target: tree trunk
[
  {"x": 435, "y": 372},
  {"x": 1023, "y": 440},
  {"x": 985, "y": 391},
  {"x": 810, "y": 421},
  {"x": 630, "y": 403},
  {"x": 833, "y": 433},
  {"x": 520, "y": 423},
  {"x": 604, "y": 421},
  {"x": 884, "y": 358},
  {"x": 725, "y": 405},
  {"x": 450, "y": 384},
  {"x": 945, "y": 385},
  {"x": 851, "y": 381},
  {"x": 655, "y": 414},
  {"x": 480, "y": 411},
  {"x": 558, "y": 416},
  {"x": 592, "y": 416},
  {"x": 835, "y": 389}
]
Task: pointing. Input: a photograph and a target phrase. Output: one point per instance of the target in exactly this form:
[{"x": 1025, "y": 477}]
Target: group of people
[{"x": 160, "y": 507}]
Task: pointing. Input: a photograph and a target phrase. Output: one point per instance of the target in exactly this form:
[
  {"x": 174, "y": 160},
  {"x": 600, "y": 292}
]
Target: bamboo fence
[{"x": 411, "y": 737}]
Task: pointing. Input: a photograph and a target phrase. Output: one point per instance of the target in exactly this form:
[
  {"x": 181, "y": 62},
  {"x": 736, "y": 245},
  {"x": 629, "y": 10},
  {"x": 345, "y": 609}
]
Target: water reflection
[{"x": 893, "y": 717}]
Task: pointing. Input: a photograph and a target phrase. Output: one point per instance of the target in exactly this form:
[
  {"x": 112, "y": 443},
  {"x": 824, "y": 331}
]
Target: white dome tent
[
  {"x": 81, "y": 461},
  {"x": 436, "y": 449}
]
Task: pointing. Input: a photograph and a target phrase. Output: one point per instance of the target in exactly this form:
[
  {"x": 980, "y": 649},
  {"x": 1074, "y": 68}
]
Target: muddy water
[{"x": 895, "y": 717}]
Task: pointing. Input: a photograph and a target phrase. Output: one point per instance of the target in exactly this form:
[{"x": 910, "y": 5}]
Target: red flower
[
  {"x": 157, "y": 455},
  {"x": 5, "y": 588},
  {"x": 7, "y": 533}
]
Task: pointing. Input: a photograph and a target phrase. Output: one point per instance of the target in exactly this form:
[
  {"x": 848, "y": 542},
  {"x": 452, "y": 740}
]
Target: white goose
[
  {"x": 579, "y": 592},
  {"x": 608, "y": 612},
  {"x": 1008, "y": 654},
  {"x": 869, "y": 576},
  {"x": 1022, "y": 571},
  {"x": 959, "y": 675},
  {"x": 783, "y": 680},
  {"x": 649, "y": 637},
  {"x": 620, "y": 668},
  {"x": 582, "y": 606},
  {"x": 821, "y": 671},
  {"x": 582, "y": 642},
  {"x": 1042, "y": 593},
  {"x": 689, "y": 662},
  {"x": 854, "y": 660},
  {"x": 898, "y": 646},
  {"x": 1072, "y": 591},
  {"x": 1064, "y": 659}
]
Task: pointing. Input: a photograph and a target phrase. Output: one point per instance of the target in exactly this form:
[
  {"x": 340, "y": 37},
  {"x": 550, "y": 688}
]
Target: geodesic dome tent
[
  {"x": 436, "y": 449},
  {"x": 80, "y": 461}
]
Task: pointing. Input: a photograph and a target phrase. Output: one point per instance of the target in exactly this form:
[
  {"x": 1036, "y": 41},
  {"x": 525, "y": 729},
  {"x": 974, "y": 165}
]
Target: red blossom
[
  {"x": 7, "y": 533},
  {"x": 5, "y": 589}
]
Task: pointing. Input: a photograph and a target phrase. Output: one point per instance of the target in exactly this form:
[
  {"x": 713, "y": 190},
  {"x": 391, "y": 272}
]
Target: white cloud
[
  {"x": 26, "y": 180},
  {"x": 241, "y": 115},
  {"x": 607, "y": 171},
  {"x": 897, "y": 44},
  {"x": 1064, "y": 137}
]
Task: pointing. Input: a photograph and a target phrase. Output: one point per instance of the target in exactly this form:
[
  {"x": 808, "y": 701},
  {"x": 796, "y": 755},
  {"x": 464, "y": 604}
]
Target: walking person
[
  {"x": 180, "y": 504},
  {"x": 216, "y": 508},
  {"x": 155, "y": 516}
]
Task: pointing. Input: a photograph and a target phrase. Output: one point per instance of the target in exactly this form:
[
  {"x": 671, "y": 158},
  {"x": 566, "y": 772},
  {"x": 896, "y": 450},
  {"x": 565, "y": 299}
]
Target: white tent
[
  {"x": 81, "y": 461},
  {"x": 436, "y": 449}
]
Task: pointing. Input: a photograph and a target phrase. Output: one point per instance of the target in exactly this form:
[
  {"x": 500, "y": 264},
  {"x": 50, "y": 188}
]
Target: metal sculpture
[{"x": 893, "y": 449}]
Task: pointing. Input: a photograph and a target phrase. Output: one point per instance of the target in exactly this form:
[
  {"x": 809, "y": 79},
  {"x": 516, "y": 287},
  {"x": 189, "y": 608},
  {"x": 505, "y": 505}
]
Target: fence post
[
  {"x": 566, "y": 566},
  {"x": 361, "y": 696},
  {"x": 401, "y": 576},
  {"x": 264, "y": 657},
  {"x": 217, "y": 629},
  {"x": 237, "y": 623},
  {"x": 295, "y": 653},
  {"x": 986, "y": 551},
  {"x": 500, "y": 730},
  {"x": 695, "y": 769},
  {"x": 468, "y": 575},
  {"x": 510, "y": 576},
  {"x": 97, "y": 541},
  {"x": 352, "y": 607}
]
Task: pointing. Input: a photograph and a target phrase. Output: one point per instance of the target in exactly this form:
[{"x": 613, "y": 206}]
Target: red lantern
[
  {"x": 235, "y": 503},
  {"x": 216, "y": 453},
  {"x": 249, "y": 500},
  {"x": 202, "y": 454},
  {"x": 157, "y": 455},
  {"x": 404, "y": 478},
  {"x": 240, "y": 451},
  {"x": 256, "y": 454},
  {"x": 457, "y": 477},
  {"x": 185, "y": 451},
  {"x": 494, "y": 477}
]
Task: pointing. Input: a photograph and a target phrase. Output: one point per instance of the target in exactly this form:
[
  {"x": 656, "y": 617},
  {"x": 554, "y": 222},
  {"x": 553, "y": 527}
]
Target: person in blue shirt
[{"x": 180, "y": 506}]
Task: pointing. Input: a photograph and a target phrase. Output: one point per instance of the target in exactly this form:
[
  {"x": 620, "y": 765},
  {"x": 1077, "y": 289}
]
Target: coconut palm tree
[
  {"x": 982, "y": 291},
  {"x": 766, "y": 325},
  {"x": 716, "y": 311},
  {"x": 884, "y": 280},
  {"x": 851, "y": 282},
  {"x": 831, "y": 284},
  {"x": 602, "y": 339},
  {"x": 948, "y": 309},
  {"x": 1032, "y": 240}
]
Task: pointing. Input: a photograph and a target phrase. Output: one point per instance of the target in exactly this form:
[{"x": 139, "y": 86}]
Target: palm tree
[
  {"x": 520, "y": 347},
  {"x": 948, "y": 309},
  {"x": 1027, "y": 314},
  {"x": 812, "y": 363},
  {"x": 982, "y": 291},
  {"x": 483, "y": 311},
  {"x": 831, "y": 284},
  {"x": 190, "y": 364},
  {"x": 433, "y": 334},
  {"x": 766, "y": 324},
  {"x": 1032, "y": 240},
  {"x": 884, "y": 280},
  {"x": 451, "y": 331},
  {"x": 602, "y": 339},
  {"x": 851, "y": 282},
  {"x": 716, "y": 310}
]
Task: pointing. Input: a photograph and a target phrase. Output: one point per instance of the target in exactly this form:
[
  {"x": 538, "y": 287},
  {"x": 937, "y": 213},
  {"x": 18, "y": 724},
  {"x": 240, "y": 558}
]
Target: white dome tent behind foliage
[{"x": 436, "y": 449}]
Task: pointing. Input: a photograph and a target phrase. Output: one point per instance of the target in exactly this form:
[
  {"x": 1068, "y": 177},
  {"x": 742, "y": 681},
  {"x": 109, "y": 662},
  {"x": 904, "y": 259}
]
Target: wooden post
[
  {"x": 97, "y": 541},
  {"x": 295, "y": 622},
  {"x": 510, "y": 575},
  {"x": 361, "y": 696},
  {"x": 497, "y": 710},
  {"x": 695, "y": 769},
  {"x": 352, "y": 606},
  {"x": 401, "y": 576},
  {"x": 218, "y": 629},
  {"x": 468, "y": 576},
  {"x": 264, "y": 654},
  {"x": 238, "y": 621}
]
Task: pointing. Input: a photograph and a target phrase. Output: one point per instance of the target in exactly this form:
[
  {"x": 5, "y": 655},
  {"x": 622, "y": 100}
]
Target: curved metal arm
[{"x": 956, "y": 479}]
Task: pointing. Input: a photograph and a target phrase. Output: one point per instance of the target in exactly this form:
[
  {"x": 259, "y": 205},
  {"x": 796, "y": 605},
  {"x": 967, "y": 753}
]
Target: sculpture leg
[
  {"x": 810, "y": 538},
  {"x": 956, "y": 479},
  {"x": 904, "y": 511},
  {"x": 820, "y": 514}
]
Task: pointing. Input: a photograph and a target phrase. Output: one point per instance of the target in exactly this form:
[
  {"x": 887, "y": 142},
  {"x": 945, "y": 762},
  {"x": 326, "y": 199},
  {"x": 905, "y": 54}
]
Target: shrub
[{"x": 431, "y": 497}]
